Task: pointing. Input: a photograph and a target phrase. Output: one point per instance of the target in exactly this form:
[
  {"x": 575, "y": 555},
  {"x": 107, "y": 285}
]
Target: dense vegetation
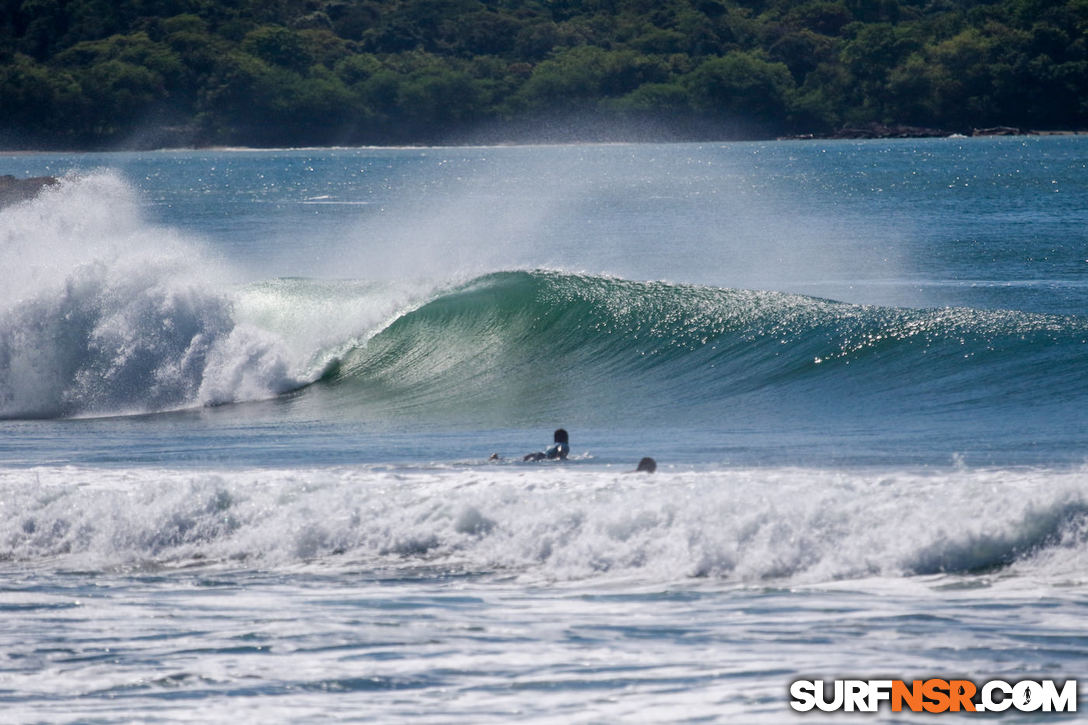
[{"x": 263, "y": 72}]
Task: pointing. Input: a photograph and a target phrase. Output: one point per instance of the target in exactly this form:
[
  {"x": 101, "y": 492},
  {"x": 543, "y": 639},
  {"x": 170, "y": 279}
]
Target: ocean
[{"x": 263, "y": 414}]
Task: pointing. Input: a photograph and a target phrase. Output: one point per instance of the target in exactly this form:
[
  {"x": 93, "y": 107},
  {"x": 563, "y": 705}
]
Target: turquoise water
[{"x": 248, "y": 401}]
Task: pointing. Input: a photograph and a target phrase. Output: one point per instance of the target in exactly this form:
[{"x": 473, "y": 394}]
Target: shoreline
[
  {"x": 874, "y": 132},
  {"x": 893, "y": 131}
]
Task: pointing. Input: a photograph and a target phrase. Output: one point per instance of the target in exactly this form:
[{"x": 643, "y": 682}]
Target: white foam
[
  {"x": 557, "y": 522},
  {"x": 319, "y": 320},
  {"x": 105, "y": 313}
]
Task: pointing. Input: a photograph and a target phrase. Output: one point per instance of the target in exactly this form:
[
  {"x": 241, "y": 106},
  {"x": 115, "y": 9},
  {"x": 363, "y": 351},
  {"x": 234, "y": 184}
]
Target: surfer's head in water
[
  {"x": 560, "y": 446},
  {"x": 646, "y": 465},
  {"x": 559, "y": 449}
]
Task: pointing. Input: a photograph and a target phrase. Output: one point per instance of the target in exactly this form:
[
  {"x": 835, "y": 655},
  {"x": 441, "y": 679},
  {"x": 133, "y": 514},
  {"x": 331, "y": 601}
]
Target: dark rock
[
  {"x": 876, "y": 130},
  {"x": 14, "y": 190},
  {"x": 880, "y": 130},
  {"x": 996, "y": 131}
]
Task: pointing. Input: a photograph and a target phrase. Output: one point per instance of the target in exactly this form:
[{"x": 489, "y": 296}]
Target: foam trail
[{"x": 105, "y": 313}]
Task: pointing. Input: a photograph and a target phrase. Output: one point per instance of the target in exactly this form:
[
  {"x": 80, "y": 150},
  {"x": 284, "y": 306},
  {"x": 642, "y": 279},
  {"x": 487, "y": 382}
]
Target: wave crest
[
  {"x": 109, "y": 314},
  {"x": 550, "y": 342}
]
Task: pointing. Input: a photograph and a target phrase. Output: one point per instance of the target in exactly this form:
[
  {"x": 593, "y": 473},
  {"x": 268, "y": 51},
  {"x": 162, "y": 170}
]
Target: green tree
[
  {"x": 825, "y": 18},
  {"x": 351, "y": 20},
  {"x": 278, "y": 45},
  {"x": 136, "y": 49},
  {"x": 577, "y": 78},
  {"x": 802, "y": 51},
  {"x": 120, "y": 97},
  {"x": 482, "y": 32},
  {"x": 656, "y": 99},
  {"x": 357, "y": 68},
  {"x": 38, "y": 102},
  {"x": 869, "y": 56},
  {"x": 743, "y": 86},
  {"x": 438, "y": 97},
  {"x": 39, "y": 26}
]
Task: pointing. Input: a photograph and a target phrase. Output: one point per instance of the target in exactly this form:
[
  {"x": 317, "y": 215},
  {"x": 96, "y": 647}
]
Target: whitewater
[{"x": 262, "y": 416}]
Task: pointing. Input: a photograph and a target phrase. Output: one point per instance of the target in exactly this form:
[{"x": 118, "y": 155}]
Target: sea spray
[
  {"x": 321, "y": 320},
  {"x": 107, "y": 314}
]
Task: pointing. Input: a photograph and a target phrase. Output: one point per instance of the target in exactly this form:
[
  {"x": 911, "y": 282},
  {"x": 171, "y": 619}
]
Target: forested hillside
[{"x": 97, "y": 73}]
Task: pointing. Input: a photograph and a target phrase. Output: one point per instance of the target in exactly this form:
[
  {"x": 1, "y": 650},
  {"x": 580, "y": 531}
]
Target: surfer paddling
[{"x": 558, "y": 450}]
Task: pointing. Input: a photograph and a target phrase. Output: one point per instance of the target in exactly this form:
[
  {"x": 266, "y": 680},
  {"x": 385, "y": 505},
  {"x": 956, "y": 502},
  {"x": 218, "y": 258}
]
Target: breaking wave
[
  {"x": 749, "y": 525},
  {"x": 107, "y": 314}
]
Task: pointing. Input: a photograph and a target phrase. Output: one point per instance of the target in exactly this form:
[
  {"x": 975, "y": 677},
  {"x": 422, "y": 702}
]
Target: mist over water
[
  {"x": 610, "y": 210},
  {"x": 729, "y": 216}
]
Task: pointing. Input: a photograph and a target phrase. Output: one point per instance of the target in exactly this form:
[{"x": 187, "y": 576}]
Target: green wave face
[{"x": 523, "y": 347}]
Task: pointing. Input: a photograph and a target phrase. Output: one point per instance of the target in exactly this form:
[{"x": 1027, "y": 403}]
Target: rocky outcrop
[
  {"x": 997, "y": 131},
  {"x": 880, "y": 130},
  {"x": 13, "y": 190},
  {"x": 876, "y": 130}
]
